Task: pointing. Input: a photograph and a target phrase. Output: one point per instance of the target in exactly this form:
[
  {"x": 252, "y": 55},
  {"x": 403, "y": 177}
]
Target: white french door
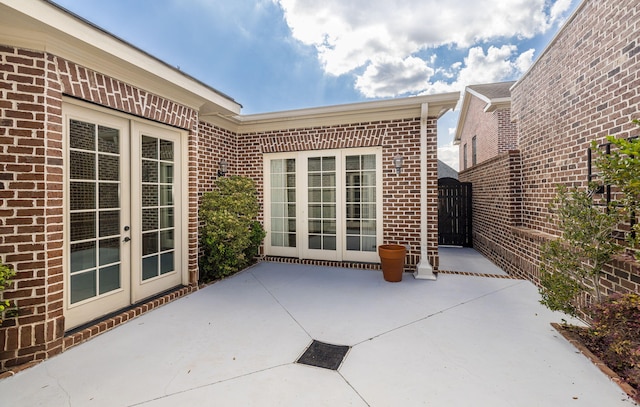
[
  {"x": 324, "y": 205},
  {"x": 123, "y": 217}
]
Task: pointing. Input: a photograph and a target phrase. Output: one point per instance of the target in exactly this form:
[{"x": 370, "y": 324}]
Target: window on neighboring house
[
  {"x": 473, "y": 151},
  {"x": 464, "y": 156}
]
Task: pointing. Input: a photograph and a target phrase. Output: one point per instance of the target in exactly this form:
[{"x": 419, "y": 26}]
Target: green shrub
[
  {"x": 573, "y": 263},
  {"x": 616, "y": 334},
  {"x": 6, "y": 274},
  {"x": 230, "y": 235},
  {"x": 621, "y": 167}
]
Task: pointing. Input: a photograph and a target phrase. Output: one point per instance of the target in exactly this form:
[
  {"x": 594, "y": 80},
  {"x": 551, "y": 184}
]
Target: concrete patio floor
[{"x": 458, "y": 341}]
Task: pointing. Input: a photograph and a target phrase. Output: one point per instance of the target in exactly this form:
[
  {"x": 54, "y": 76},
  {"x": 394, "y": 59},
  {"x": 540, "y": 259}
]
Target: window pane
[
  {"x": 82, "y": 135},
  {"x": 277, "y": 210},
  {"x": 277, "y": 239},
  {"x": 166, "y": 218},
  {"x": 368, "y": 194},
  {"x": 328, "y": 163},
  {"x": 314, "y": 164},
  {"x": 166, "y": 195},
  {"x": 329, "y": 227},
  {"x": 149, "y": 219},
  {"x": 109, "y": 224},
  {"x": 149, "y": 147},
  {"x": 369, "y": 162},
  {"x": 353, "y": 227},
  {"x": 108, "y": 168},
  {"x": 166, "y": 240},
  {"x": 149, "y": 195},
  {"x": 109, "y": 278},
  {"x": 83, "y": 256},
  {"x": 166, "y": 173},
  {"x": 315, "y": 195},
  {"x": 166, "y": 150},
  {"x": 315, "y": 242},
  {"x": 277, "y": 166},
  {"x": 109, "y": 197},
  {"x": 277, "y": 180},
  {"x": 82, "y": 195},
  {"x": 329, "y": 180},
  {"x": 83, "y": 226},
  {"x": 149, "y": 243},
  {"x": 353, "y": 243},
  {"x": 315, "y": 211},
  {"x": 369, "y": 244},
  {"x": 149, "y": 267},
  {"x": 329, "y": 195},
  {"x": 368, "y": 211},
  {"x": 315, "y": 226},
  {"x": 109, "y": 251},
  {"x": 108, "y": 140},
  {"x": 83, "y": 165},
  {"x": 149, "y": 171},
  {"x": 315, "y": 180},
  {"x": 329, "y": 211},
  {"x": 83, "y": 286},
  {"x": 166, "y": 263},
  {"x": 290, "y": 165},
  {"x": 352, "y": 162},
  {"x": 369, "y": 227},
  {"x": 329, "y": 242}
]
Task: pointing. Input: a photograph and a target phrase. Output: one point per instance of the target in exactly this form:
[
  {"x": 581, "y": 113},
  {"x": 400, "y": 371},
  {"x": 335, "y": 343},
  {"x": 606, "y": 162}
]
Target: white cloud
[
  {"x": 393, "y": 76},
  {"x": 449, "y": 154},
  {"x": 376, "y": 39},
  {"x": 494, "y": 65}
]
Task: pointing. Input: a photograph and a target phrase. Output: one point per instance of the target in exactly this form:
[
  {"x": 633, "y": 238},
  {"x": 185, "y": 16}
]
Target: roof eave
[{"x": 46, "y": 27}]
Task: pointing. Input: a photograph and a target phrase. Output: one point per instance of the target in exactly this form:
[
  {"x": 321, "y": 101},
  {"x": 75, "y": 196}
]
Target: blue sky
[{"x": 272, "y": 55}]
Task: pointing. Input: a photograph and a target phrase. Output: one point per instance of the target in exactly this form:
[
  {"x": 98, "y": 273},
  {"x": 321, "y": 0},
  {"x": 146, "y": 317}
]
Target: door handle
[{"x": 126, "y": 239}]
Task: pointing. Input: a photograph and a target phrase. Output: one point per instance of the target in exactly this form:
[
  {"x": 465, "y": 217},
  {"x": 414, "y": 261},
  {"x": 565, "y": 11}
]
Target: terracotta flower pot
[{"x": 392, "y": 260}]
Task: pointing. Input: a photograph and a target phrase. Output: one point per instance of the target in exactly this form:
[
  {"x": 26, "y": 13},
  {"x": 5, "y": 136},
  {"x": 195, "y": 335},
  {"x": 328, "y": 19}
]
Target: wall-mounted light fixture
[
  {"x": 397, "y": 162},
  {"x": 224, "y": 167}
]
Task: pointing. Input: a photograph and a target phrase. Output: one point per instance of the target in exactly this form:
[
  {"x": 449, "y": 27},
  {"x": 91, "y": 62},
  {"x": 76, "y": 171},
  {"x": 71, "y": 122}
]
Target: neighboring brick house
[
  {"x": 584, "y": 86},
  {"x": 105, "y": 152},
  {"x": 484, "y": 127}
]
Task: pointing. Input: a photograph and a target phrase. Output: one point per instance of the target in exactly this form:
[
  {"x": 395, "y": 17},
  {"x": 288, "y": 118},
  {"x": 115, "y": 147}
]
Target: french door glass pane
[
  {"x": 157, "y": 185},
  {"x": 321, "y": 175},
  {"x": 283, "y": 202},
  {"x": 360, "y": 206},
  {"x": 94, "y": 184}
]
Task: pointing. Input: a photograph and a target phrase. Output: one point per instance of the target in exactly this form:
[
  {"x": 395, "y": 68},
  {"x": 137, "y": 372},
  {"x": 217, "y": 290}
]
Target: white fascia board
[
  {"x": 40, "y": 25},
  {"x": 497, "y": 103},
  {"x": 341, "y": 114},
  {"x": 466, "y": 100}
]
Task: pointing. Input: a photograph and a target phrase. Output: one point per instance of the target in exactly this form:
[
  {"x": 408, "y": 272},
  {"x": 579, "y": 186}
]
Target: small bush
[
  {"x": 6, "y": 274},
  {"x": 616, "y": 334},
  {"x": 230, "y": 234}
]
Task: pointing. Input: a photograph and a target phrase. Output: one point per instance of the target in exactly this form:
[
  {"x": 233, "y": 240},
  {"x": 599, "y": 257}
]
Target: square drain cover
[{"x": 324, "y": 355}]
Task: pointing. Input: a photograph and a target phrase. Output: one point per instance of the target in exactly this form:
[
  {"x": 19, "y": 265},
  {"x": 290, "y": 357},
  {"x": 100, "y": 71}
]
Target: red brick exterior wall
[
  {"x": 585, "y": 86},
  {"x": 401, "y": 194},
  {"x": 494, "y": 132},
  {"x": 31, "y": 190}
]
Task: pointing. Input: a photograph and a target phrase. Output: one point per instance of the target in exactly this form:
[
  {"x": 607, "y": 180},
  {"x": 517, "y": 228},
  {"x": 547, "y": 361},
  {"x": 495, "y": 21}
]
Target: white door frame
[{"x": 132, "y": 289}]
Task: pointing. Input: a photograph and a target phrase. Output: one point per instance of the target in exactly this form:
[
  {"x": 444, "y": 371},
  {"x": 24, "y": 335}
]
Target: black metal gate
[{"x": 454, "y": 212}]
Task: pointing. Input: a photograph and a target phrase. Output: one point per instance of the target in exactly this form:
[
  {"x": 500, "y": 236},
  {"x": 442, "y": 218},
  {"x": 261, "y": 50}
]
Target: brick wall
[
  {"x": 583, "y": 87},
  {"x": 32, "y": 85},
  {"x": 401, "y": 195},
  {"x": 494, "y": 132}
]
